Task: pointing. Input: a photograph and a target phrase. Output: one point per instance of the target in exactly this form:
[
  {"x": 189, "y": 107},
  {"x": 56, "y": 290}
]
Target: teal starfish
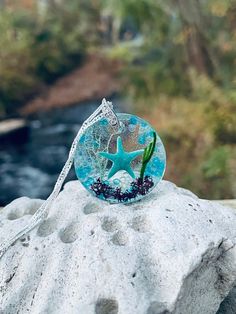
[{"x": 121, "y": 159}]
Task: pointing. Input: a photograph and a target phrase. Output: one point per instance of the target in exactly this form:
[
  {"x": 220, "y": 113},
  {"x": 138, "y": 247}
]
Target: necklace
[{"x": 117, "y": 157}]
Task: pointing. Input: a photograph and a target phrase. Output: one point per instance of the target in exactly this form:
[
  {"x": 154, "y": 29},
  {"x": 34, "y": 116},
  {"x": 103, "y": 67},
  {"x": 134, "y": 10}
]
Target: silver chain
[{"x": 105, "y": 110}]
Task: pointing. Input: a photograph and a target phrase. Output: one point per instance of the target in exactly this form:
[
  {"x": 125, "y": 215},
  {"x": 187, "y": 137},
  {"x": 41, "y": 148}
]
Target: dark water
[{"x": 31, "y": 169}]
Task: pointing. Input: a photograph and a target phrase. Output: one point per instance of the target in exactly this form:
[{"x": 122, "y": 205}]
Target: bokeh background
[{"x": 170, "y": 62}]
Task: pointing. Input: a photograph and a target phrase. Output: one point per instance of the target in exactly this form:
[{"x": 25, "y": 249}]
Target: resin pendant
[{"x": 121, "y": 166}]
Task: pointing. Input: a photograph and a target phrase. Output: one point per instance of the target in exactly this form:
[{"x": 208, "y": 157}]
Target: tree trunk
[{"x": 198, "y": 50}]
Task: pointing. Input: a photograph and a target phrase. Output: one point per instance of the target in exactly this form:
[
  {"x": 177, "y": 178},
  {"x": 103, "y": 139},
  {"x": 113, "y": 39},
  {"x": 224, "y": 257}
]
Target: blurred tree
[
  {"x": 39, "y": 46},
  {"x": 179, "y": 67},
  {"x": 184, "y": 68},
  {"x": 19, "y": 4},
  {"x": 197, "y": 45}
]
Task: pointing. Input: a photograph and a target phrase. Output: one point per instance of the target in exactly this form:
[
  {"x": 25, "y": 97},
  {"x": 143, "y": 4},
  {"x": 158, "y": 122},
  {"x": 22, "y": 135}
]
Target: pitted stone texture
[
  {"x": 110, "y": 224},
  {"x": 23, "y": 206},
  {"x": 170, "y": 253},
  {"x": 47, "y": 227},
  {"x": 141, "y": 224},
  {"x": 120, "y": 238}
]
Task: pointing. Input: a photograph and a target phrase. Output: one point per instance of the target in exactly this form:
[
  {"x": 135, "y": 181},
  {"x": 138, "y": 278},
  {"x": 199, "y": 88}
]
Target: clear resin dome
[{"x": 123, "y": 166}]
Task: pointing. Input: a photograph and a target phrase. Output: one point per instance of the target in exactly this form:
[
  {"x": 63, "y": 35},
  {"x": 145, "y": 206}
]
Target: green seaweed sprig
[{"x": 147, "y": 155}]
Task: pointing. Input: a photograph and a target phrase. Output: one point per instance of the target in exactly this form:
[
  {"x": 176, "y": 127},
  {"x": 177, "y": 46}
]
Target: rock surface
[
  {"x": 169, "y": 253},
  {"x": 228, "y": 306}
]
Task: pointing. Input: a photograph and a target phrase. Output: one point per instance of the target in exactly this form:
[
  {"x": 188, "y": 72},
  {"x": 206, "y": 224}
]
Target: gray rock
[
  {"x": 228, "y": 306},
  {"x": 170, "y": 253},
  {"x": 229, "y": 203}
]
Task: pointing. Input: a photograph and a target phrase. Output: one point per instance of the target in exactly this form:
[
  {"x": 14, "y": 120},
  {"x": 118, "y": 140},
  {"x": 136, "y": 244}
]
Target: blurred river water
[{"x": 31, "y": 169}]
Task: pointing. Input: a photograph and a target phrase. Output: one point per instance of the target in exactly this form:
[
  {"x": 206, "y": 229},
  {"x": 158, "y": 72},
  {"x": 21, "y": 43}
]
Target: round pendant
[{"x": 121, "y": 166}]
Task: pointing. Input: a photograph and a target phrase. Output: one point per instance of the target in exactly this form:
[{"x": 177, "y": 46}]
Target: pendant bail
[{"x": 109, "y": 114}]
